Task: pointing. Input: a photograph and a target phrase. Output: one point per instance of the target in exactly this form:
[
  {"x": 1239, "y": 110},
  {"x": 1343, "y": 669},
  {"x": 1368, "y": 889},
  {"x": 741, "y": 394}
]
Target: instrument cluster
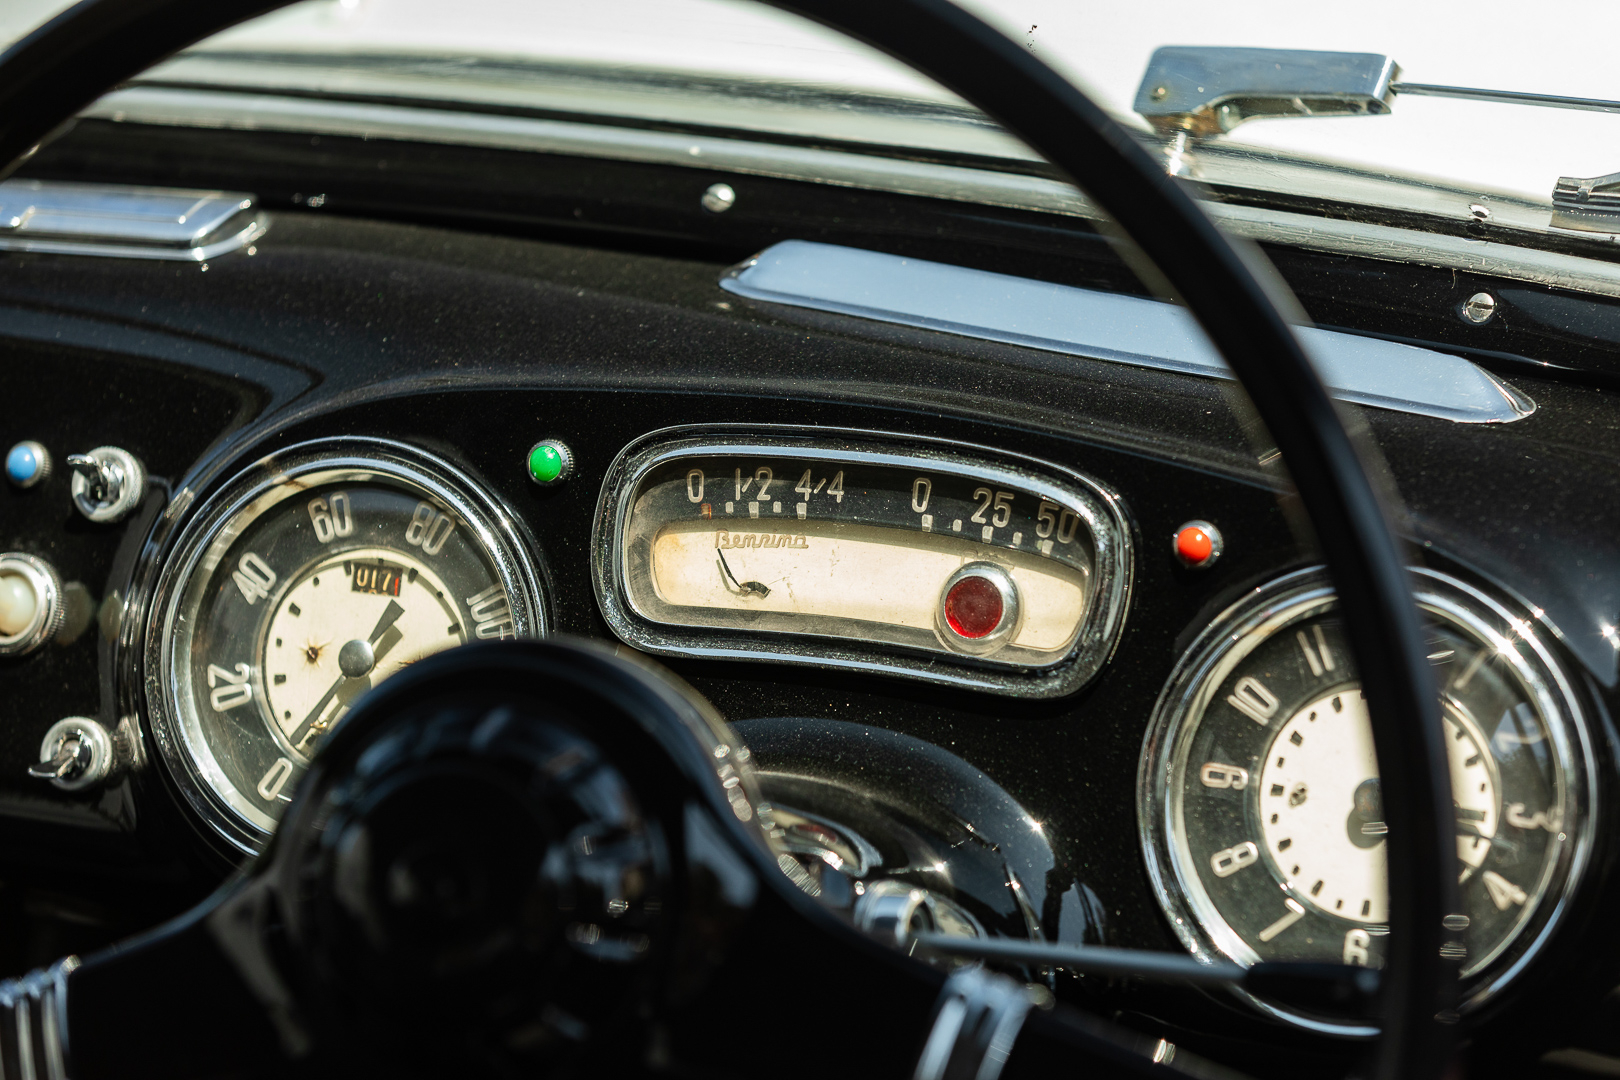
[{"x": 323, "y": 569}]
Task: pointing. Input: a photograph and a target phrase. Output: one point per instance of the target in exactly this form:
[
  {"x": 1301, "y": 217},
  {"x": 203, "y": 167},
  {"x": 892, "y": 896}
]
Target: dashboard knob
[
  {"x": 31, "y": 609},
  {"x": 108, "y": 483}
]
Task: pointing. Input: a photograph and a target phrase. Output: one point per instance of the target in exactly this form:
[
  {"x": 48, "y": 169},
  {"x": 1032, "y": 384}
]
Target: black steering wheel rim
[{"x": 47, "y": 77}]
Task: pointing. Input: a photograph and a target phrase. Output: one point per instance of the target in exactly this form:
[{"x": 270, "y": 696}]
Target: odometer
[
  {"x": 916, "y": 559},
  {"x": 309, "y": 579},
  {"x": 1262, "y": 807}
]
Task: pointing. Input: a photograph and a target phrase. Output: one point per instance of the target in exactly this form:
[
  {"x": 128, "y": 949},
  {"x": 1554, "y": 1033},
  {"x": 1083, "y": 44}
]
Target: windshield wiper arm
[
  {"x": 1197, "y": 91},
  {"x": 1506, "y": 97}
]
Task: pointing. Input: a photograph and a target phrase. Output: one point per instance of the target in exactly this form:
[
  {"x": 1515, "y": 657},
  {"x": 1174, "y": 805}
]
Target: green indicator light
[{"x": 550, "y": 462}]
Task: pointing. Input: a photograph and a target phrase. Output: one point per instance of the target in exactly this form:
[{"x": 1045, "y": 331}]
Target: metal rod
[
  {"x": 1507, "y": 97},
  {"x": 1096, "y": 959}
]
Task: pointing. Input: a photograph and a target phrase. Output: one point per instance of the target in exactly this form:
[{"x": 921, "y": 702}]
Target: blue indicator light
[{"x": 27, "y": 464}]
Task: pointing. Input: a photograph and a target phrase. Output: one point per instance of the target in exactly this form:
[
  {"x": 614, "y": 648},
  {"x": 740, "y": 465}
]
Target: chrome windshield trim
[
  {"x": 1231, "y": 167},
  {"x": 1390, "y": 244},
  {"x": 1105, "y": 326}
]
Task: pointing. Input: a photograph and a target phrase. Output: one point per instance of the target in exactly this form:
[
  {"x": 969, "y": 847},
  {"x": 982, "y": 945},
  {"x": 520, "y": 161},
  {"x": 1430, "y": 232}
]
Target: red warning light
[
  {"x": 973, "y": 607},
  {"x": 1197, "y": 543}
]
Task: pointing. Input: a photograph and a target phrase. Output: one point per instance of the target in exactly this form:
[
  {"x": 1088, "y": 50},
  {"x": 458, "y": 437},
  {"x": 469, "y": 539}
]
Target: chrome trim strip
[
  {"x": 264, "y": 112},
  {"x": 1101, "y": 510},
  {"x": 66, "y": 218},
  {"x": 249, "y": 111},
  {"x": 1105, "y": 326},
  {"x": 1389, "y": 244}
]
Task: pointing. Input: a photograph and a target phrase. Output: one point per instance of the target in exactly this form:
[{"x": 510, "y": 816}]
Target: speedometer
[
  {"x": 309, "y": 579},
  {"x": 857, "y": 550},
  {"x": 1261, "y": 805}
]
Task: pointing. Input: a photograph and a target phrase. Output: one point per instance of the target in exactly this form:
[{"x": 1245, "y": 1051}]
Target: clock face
[{"x": 1263, "y": 806}]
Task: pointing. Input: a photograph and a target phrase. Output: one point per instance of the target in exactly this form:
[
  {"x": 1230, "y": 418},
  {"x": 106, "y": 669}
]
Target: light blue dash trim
[{"x": 1106, "y": 326}]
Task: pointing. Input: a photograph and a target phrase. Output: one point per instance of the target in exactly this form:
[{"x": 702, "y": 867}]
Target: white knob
[
  {"x": 18, "y": 603},
  {"x": 30, "y": 603}
]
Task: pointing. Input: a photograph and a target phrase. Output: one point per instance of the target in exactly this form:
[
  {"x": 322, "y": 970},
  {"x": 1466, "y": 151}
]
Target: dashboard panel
[{"x": 1075, "y": 746}]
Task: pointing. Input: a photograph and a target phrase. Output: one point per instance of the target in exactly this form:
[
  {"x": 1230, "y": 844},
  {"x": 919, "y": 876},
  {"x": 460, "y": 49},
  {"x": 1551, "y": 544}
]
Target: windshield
[{"x": 733, "y": 65}]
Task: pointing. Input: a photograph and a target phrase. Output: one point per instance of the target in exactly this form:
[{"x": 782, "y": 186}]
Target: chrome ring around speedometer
[
  {"x": 315, "y": 573},
  {"x": 1259, "y": 799}
]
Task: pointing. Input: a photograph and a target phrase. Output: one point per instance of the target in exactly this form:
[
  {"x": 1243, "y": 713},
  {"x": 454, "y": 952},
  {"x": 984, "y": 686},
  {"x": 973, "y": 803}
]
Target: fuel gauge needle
[
  {"x": 355, "y": 660},
  {"x": 746, "y": 588}
]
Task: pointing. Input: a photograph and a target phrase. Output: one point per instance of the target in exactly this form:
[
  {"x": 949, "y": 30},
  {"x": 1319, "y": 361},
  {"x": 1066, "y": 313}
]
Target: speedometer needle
[{"x": 390, "y": 616}]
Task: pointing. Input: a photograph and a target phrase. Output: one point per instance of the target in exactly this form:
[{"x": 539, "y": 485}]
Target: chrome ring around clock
[
  {"x": 1295, "y": 600},
  {"x": 260, "y": 490}
]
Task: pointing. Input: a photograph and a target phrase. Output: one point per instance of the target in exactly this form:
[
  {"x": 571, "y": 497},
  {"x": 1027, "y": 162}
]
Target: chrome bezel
[
  {"x": 1098, "y": 507},
  {"x": 1233, "y": 635},
  {"x": 175, "y": 726},
  {"x": 48, "y": 609}
]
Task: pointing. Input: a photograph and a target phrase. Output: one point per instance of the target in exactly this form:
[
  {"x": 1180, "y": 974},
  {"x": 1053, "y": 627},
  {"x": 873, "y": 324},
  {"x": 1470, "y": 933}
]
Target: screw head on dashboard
[
  {"x": 1479, "y": 308},
  {"x": 719, "y": 198},
  {"x": 1197, "y": 544},
  {"x": 550, "y": 462},
  {"x": 27, "y": 463}
]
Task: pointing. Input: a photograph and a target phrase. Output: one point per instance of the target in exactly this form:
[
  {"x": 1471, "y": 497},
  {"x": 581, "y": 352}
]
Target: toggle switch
[{"x": 108, "y": 483}]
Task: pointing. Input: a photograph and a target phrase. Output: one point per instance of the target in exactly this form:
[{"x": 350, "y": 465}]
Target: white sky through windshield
[{"x": 1103, "y": 46}]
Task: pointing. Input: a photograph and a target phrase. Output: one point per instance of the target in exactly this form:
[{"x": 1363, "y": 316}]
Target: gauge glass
[
  {"x": 1262, "y": 806},
  {"x": 302, "y": 589},
  {"x": 728, "y": 548}
]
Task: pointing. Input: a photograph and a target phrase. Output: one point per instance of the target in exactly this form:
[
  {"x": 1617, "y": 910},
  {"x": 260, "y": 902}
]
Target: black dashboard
[{"x": 408, "y": 340}]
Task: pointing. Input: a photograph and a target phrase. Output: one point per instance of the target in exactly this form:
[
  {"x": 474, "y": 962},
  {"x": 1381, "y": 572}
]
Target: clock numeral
[
  {"x": 1319, "y": 656},
  {"x": 254, "y": 577},
  {"x": 1503, "y": 892},
  {"x": 1251, "y": 698},
  {"x": 1295, "y": 913},
  {"x": 1216, "y": 775},
  {"x": 1551, "y": 820},
  {"x": 1355, "y": 947},
  {"x": 1230, "y": 861}
]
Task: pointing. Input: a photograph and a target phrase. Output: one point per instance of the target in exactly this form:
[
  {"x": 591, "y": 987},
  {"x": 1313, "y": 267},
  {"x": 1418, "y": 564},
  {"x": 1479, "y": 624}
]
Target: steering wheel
[{"x": 589, "y": 765}]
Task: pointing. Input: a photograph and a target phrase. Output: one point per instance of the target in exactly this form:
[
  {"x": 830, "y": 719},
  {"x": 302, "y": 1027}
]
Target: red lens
[
  {"x": 1194, "y": 545},
  {"x": 973, "y": 607}
]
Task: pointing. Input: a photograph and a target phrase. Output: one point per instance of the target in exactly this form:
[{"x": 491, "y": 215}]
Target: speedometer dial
[
  {"x": 310, "y": 579},
  {"x": 1262, "y": 807}
]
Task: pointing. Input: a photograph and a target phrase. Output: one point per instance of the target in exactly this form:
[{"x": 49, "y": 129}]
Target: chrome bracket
[
  {"x": 1207, "y": 91},
  {"x": 1590, "y": 205}
]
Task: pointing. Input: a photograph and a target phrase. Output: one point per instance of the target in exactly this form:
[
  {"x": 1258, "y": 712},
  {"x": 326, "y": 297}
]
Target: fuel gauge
[{"x": 915, "y": 559}]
